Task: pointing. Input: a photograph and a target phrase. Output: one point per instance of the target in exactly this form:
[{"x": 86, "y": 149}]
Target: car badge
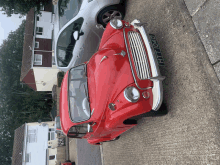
[
  {"x": 123, "y": 53},
  {"x": 103, "y": 58},
  {"x": 112, "y": 106}
]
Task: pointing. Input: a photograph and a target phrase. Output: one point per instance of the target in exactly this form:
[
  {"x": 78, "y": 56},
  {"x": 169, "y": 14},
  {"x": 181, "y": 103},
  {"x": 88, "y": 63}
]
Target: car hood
[{"x": 108, "y": 75}]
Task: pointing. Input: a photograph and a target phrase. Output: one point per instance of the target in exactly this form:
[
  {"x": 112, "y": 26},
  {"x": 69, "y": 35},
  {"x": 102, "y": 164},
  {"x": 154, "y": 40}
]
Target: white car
[{"x": 79, "y": 37}]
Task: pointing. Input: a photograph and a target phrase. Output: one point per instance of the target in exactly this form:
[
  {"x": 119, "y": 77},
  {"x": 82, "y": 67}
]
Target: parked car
[
  {"x": 68, "y": 162},
  {"x": 79, "y": 18},
  {"x": 102, "y": 98}
]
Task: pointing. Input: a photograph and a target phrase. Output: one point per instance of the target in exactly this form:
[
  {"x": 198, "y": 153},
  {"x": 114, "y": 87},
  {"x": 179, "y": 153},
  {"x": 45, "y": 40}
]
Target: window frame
[
  {"x": 38, "y": 61},
  {"x": 32, "y": 133},
  {"x": 36, "y": 42},
  {"x": 29, "y": 157},
  {"x": 53, "y": 156},
  {"x": 50, "y": 132},
  {"x": 38, "y": 30}
]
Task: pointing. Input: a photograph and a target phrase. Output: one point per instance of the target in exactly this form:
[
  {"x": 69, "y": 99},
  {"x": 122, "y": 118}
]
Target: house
[
  {"x": 38, "y": 63},
  {"x": 37, "y": 144}
]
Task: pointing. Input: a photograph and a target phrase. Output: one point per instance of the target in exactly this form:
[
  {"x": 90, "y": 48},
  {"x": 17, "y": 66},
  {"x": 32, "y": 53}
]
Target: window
[
  {"x": 51, "y": 134},
  {"x": 39, "y": 30},
  {"x": 51, "y": 129},
  {"x": 66, "y": 43},
  {"x": 51, "y": 157},
  {"x": 27, "y": 157},
  {"x": 36, "y": 44},
  {"x": 37, "y": 59},
  {"x": 32, "y": 136},
  {"x": 38, "y": 18},
  {"x": 68, "y": 10},
  {"x": 53, "y": 60}
]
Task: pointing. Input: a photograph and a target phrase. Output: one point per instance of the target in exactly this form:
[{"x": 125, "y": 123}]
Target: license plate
[{"x": 156, "y": 49}]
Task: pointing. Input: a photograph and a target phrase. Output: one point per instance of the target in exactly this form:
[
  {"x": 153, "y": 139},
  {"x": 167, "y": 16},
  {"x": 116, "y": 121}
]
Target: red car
[
  {"x": 68, "y": 162},
  {"x": 100, "y": 99}
]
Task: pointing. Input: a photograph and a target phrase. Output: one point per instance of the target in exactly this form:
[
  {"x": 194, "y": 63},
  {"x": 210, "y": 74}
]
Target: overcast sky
[{"x": 8, "y": 24}]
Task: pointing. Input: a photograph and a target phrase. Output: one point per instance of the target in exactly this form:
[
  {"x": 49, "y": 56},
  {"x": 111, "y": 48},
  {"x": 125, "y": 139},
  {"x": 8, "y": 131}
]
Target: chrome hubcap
[{"x": 110, "y": 15}]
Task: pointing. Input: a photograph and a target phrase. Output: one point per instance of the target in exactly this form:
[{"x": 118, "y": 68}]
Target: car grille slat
[
  {"x": 142, "y": 60},
  {"x": 139, "y": 55},
  {"x": 134, "y": 51}
]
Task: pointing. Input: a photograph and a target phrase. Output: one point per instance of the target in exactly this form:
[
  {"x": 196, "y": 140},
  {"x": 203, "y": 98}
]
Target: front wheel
[{"x": 109, "y": 13}]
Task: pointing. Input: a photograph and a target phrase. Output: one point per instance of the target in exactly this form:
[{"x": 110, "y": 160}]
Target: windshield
[
  {"x": 68, "y": 9},
  {"x": 66, "y": 43},
  {"x": 79, "y": 108}
]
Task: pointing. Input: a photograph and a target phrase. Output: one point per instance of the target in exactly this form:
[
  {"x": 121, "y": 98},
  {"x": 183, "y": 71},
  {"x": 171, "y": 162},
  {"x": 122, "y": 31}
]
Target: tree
[
  {"x": 18, "y": 103},
  {"x": 21, "y": 7}
]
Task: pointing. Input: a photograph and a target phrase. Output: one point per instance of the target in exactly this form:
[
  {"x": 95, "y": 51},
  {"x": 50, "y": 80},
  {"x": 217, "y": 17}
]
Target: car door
[{"x": 88, "y": 42}]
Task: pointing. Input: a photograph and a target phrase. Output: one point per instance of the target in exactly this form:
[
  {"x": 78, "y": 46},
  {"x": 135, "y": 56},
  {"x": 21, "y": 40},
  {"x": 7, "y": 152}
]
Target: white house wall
[
  {"x": 45, "y": 78},
  {"x": 52, "y": 151},
  {"x": 37, "y": 149},
  {"x": 45, "y": 21}
]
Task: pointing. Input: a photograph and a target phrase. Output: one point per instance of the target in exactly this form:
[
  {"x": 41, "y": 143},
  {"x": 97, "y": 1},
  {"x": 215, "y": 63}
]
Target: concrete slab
[
  {"x": 73, "y": 150},
  {"x": 189, "y": 134},
  {"x": 88, "y": 154},
  {"x": 207, "y": 23},
  {"x": 194, "y": 5}
]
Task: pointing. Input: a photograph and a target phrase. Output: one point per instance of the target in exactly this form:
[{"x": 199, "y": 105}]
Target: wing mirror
[{"x": 76, "y": 35}]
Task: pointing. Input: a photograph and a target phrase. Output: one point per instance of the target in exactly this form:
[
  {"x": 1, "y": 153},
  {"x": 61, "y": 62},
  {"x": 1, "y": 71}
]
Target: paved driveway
[
  {"x": 189, "y": 134},
  {"x": 83, "y": 153}
]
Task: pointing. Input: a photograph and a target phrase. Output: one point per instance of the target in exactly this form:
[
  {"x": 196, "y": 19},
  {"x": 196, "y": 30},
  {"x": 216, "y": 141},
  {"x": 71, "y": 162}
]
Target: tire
[{"x": 109, "y": 13}]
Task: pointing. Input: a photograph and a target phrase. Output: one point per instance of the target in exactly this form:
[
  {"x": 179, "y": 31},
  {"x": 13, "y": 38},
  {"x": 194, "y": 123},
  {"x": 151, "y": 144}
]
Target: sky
[{"x": 8, "y": 24}]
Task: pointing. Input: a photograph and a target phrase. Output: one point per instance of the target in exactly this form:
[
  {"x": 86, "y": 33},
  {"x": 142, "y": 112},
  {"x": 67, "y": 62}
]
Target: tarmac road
[{"x": 189, "y": 133}]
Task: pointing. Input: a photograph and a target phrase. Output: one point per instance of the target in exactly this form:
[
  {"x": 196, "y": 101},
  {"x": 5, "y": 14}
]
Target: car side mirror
[{"x": 76, "y": 35}]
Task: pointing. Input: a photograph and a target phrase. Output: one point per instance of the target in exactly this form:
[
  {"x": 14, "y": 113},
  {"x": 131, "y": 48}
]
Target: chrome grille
[{"x": 139, "y": 55}]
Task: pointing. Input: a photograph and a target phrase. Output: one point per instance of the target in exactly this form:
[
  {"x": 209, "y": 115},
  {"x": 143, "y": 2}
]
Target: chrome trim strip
[
  {"x": 103, "y": 58},
  {"x": 131, "y": 62}
]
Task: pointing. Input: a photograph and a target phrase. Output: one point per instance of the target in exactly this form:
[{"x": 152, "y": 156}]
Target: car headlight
[
  {"x": 131, "y": 94},
  {"x": 116, "y": 23}
]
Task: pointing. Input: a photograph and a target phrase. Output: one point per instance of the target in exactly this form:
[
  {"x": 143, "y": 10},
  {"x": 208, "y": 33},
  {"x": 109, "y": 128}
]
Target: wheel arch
[{"x": 103, "y": 8}]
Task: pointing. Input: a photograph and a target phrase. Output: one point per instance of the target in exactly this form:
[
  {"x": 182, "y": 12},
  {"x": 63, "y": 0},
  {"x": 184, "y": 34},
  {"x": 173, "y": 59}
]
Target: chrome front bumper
[{"x": 156, "y": 76}]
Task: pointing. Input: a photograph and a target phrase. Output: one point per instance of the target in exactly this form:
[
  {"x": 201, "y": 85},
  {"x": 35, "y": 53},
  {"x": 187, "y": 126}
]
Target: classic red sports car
[{"x": 100, "y": 99}]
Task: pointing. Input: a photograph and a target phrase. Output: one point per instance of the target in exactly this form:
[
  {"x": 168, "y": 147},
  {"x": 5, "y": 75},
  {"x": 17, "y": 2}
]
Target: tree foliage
[
  {"x": 18, "y": 102},
  {"x": 21, "y": 7}
]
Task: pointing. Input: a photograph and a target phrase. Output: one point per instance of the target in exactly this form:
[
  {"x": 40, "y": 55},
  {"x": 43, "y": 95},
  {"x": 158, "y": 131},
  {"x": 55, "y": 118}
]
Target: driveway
[
  {"x": 189, "y": 133},
  {"x": 84, "y": 153}
]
